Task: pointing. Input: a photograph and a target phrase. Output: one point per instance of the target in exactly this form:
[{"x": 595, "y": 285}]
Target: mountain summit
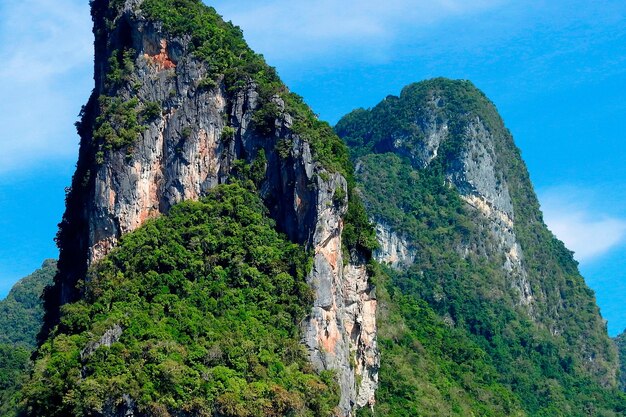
[
  {"x": 458, "y": 220},
  {"x": 181, "y": 106},
  {"x": 224, "y": 253}
]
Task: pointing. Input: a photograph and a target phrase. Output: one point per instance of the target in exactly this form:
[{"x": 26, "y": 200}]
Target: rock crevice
[{"x": 194, "y": 144}]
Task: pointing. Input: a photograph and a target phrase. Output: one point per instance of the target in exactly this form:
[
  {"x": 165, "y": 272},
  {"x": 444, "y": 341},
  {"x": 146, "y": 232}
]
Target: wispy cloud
[
  {"x": 296, "y": 29},
  {"x": 46, "y": 51},
  {"x": 575, "y": 215}
]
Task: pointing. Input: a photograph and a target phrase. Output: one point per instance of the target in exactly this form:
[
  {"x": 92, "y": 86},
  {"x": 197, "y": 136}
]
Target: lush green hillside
[
  {"x": 14, "y": 367},
  {"x": 20, "y": 320},
  {"x": 540, "y": 353},
  {"x": 620, "y": 341},
  {"x": 429, "y": 368},
  {"x": 195, "y": 312},
  {"x": 22, "y": 311}
]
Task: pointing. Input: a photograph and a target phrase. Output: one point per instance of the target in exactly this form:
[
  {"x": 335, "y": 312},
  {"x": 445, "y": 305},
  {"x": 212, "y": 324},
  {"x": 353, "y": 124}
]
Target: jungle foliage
[
  {"x": 21, "y": 313},
  {"x": 540, "y": 356},
  {"x": 208, "y": 300},
  {"x": 620, "y": 341}
]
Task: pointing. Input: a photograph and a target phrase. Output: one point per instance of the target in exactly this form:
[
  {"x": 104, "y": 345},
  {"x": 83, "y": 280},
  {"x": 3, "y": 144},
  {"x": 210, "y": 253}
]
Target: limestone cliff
[
  {"x": 165, "y": 124},
  {"x": 443, "y": 135},
  {"x": 473, "y": 167},
  {"x": 394, "y": 249}
]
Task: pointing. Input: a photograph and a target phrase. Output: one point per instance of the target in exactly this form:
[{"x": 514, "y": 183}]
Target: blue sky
[{"x": 556, "y": 70}]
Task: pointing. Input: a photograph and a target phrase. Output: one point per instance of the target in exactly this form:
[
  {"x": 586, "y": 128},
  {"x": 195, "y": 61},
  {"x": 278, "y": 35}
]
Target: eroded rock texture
[
  {"x": 194, "y": 144},
  {"x": 446, "y": 133},
  {"x": 474, "y": 169},
  {"x": 394, "y": 249}
]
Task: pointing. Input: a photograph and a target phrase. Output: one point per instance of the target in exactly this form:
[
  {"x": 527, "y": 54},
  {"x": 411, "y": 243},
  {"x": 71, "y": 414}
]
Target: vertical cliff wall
[{"x": 169, "y": 119}]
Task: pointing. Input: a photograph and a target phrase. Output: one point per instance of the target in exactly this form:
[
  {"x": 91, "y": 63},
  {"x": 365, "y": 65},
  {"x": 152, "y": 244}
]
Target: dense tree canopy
[
  {"x": 20, "y": 320},
  {"x": 515, "y": 356},
  {"x": 205, "y": 304}
]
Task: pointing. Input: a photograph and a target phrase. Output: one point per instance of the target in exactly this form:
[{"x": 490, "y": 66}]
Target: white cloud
[
  {"x": 571, "y": 214},
  {"x": 291, "y": 29},
  {"x": 46, "y": 51}
]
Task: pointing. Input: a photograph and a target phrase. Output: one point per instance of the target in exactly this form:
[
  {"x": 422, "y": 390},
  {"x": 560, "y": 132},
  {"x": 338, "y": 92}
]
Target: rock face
[
  {"x": 394, "y": 250},
  {"x": 197, "y": 141},
  {"x": 109, "y": 337},
  {"x": 483, "y": 187},
  {"x": 473, "y": 170},
  {"x": 343, "y": 320},
  {"x": 449, "y": 132}
]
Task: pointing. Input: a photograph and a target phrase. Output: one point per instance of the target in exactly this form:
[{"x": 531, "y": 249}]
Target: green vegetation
[
  {"x": 541, "y": 373},
  {"x": 121, "y": 65},
  {"x": 457, "y": 103},
  {"x": 22, "y": 311},
  {"x": 219, "y": 43},
  {"x": 186, "y": 132},
  {"x": 121, "y": 122},
  {"x": 620, "y": 341},
  {"x": 419, "y": 203},
  {"x": 430, "y": 368},
  {"x": 208, "y": 299},
  {"x": 222, "y": 46},
  {"x": 358, "y": 232},
  {"x": 15, "y": 365},
  {"x": 253, "y": 172},
  {"x": 118, "y": 124},
  {"x": 511, "y": 358},
  {"x": 228, "y": 133},
  {"x": 151, "y": 111},
  {"x": 21, "y": 315}
]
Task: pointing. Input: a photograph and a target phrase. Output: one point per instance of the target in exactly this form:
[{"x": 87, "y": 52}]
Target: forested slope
[
  {"x": 21, "y": 314},
  {"x": 440, "y": 174}
]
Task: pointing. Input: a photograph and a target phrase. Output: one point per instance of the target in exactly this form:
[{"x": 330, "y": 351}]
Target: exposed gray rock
[
  {"x": 474, "y": 172},
  {"x": 125, "y": 407},
  {"x": 394, "y": 249},
  {"x": 482, "y": 186},
  {"x": 432, "y": 131},
  {"x": 184, "y": 153},
  {"x": 109, "y": 337}
]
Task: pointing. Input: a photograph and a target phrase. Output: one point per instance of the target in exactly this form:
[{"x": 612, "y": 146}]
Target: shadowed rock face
[{"x": 192, "y": 146}]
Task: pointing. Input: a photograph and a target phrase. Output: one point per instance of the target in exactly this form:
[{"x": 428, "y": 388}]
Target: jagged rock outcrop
[
  {"x": 473, "y": 169},
  {"x": 394, "y": 249},
  {"x": 444, "y": 132},
  {"x": 198, "y": 137},
  {"x": 109, "y": 337}
]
